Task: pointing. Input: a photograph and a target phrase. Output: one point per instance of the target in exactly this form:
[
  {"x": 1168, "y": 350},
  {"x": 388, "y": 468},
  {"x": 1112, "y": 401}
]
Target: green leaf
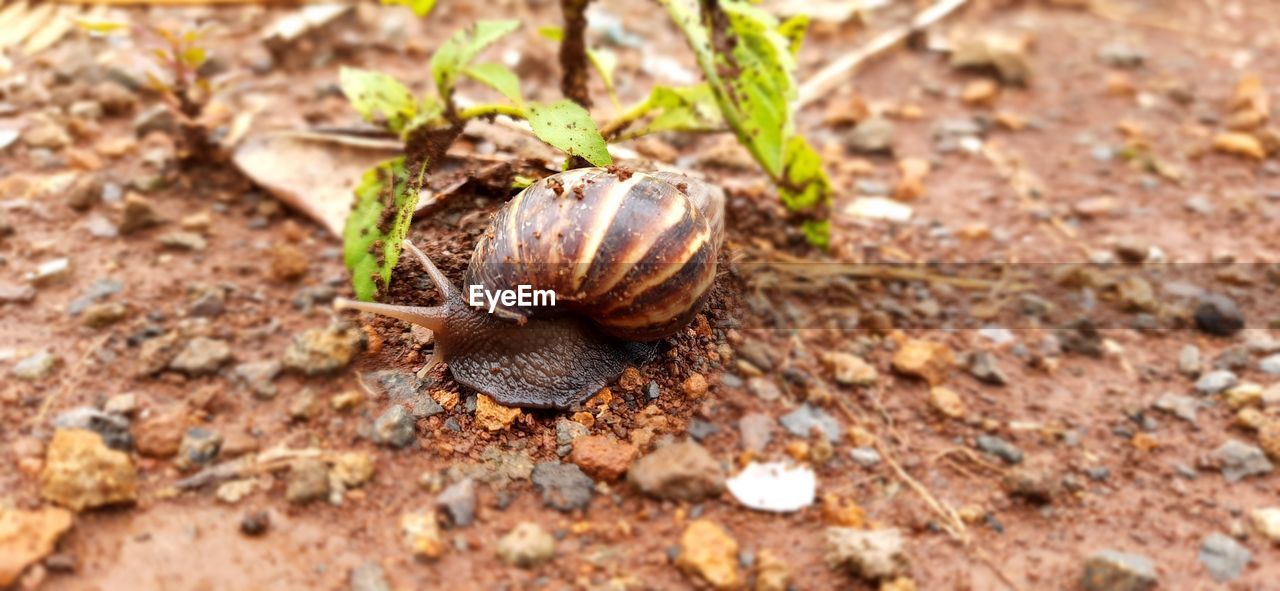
[
  {"x": 497, "y": 77},
  {"x": 687, "y": 108},
  {"x": 750, "y": 68},
  {"x": 449, "y": 60},
  {"x": 376, "y": 226},
  {"x": 568, "y": 126},
  {"x": 429, "y": 113},
  {"x": 794, "y": 29},
  {"x": 604, "y": 62},
  {"x": 805, "y": 185},
  {"x": 419, "y": 7},
  {"x": 101, "y": 27},
  {"x": 378, "y": 97}
]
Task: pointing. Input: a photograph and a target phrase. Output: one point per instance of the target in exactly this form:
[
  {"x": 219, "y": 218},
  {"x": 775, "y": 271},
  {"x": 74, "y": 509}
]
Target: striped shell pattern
[{"x": 634, "y": 253}]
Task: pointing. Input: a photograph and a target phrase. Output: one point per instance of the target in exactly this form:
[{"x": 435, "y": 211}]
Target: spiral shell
[{"x": 636, "y": 254}]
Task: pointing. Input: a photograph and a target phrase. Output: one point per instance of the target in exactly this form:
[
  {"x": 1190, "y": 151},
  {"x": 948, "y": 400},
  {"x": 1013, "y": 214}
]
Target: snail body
[{"x": 629, "y": 257}]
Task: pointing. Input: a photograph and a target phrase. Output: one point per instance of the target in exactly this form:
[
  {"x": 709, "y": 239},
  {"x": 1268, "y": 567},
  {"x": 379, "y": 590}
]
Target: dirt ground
[{"x": 1091, "y": 159}]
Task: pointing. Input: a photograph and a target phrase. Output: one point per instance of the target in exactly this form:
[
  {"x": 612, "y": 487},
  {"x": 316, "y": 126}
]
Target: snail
[{"x": 630, "y": 258}]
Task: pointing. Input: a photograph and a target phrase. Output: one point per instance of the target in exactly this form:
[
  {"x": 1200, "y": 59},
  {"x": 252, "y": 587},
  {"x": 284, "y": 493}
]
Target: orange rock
[
  {"x": 492, "y": 416},
  {"x": 603, "y": 458},
  {"x": 695, "y": 386},
  {"x": 980, "y": 93},
  {"x": 709, "y": 553},
  {"x": 911, "y": 186},
  {"x": 28, "y": 536},
  {"x": 1239, "y": 144},
  {"x": 847, "y": 111},
  {"x": 923, "y": 359}
]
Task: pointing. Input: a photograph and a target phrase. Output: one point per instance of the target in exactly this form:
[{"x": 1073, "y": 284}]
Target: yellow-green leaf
[
  {"x": 569, "y": 127},
  {"x": 419, "y": 7},
  {"x": 378, "y": 97},
  {"x": 793, "y": 29},
  {"x": 497, "y": 77},
  {"x": 101, "y": 27},
  {"x": 449, "y": 60},
  {"x": 378, "y": 223},
  {"x": 192, "y": 57}
]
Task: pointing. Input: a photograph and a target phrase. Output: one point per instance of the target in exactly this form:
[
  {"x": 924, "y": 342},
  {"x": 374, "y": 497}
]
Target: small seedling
[
  {"x": 175, "y": 75},
  {"x": 747, "y": 59}
]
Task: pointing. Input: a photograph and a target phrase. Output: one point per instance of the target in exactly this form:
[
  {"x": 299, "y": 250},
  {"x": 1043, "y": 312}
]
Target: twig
[
  {"x": 829, "y": 77},
  {"x": 952, "y": 523}
]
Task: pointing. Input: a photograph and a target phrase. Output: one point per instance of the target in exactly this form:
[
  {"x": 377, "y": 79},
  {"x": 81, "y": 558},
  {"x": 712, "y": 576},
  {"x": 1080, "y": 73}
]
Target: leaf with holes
[
  {"x": 449, "y": 60},
  {"x": 378, "y": 98},
  {"x": 419, "y": 7},
  {"x": 568, "y": 126},
  {"x": 497, "y": 77},
  {"x": 748, "y": 60},
  {"x": 376, "y": 226}
]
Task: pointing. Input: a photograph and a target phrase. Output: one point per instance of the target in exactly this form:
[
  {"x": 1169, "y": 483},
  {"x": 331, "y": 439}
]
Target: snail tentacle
[{"x": 431, "y": 317}]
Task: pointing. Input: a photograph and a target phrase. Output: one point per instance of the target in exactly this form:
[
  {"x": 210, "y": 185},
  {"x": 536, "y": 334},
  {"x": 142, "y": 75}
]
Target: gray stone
[
  {"x": 874, "y": 555},
  {"x": 755, "y": 431},
  {"x": 100, "y": 227},
  {"x": 1183, "y": 407},
  {"x": 568, "y": 431},
  {"x": 1000, "y": 448},
  {"x": 198, "y": 447},
  {"x": 1270, "y": 364},
  {"x": 1235, "y": 357},
  {"x": 873, "y": 135},
  {"x": 1216, "y": 381},
  {"x": 801, "y": 422},
  {"x": 1119, "y": 54},
  {"x": 257, "y": 376},
  {"x": 458, "y": 502},
  {"x": 1223, "y": 557},
  {"x": 97, "y": 291},
  {"x": 308, "y": 481},
  {"x": 201, "y": 356},
  {"x": 564, "y": 487},
  {"x": 16, "y": 292},
  {"x": 1218, "y": 315},
  {"x": 867, "y": 457},
  {"x": 1239, "y": 460},
  {"x": 323, "y": 351},
  {"x": 1189, "y": 361},
  {"x": 35, "y": 367},
  {"x": 394, "y": 428},
  {"x": 983, "y": 366},
  {"x": 369, "y": 577},
  {"x": 1110, "y": 570},
  {"x": 526, "y": 546},
  {"x": 764, "y": 389},
  {"x": 183, "y": 240},
  {"x": 424, "y": 406},
  {"x": 681, "y": 471},
  {"x": 113, "y": 428},
  {"x": 399, "y": 386}
]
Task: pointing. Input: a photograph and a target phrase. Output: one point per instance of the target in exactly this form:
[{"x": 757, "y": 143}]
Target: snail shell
[
  {"x": 634, "y": 253},
  {"x": 630, "y": 257}
]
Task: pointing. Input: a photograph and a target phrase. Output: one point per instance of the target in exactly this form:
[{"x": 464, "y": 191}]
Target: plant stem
[
  {"x": 480, "y": 111},
  {"x": 612, "y": 129},
  {"x": 573, "y": 52}
]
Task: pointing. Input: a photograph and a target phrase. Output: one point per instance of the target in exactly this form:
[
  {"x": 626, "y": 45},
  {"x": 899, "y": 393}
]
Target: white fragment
[
  {"x": 774, "y": 486},
  {"x": 879, "y": 208},
  {"x": 49, "y": 271}
]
